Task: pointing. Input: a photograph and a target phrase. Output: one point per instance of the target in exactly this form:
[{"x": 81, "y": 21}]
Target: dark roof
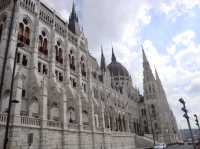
[
  {"x": 117, "y": 69},
  {"x": 73, "y": 22}
]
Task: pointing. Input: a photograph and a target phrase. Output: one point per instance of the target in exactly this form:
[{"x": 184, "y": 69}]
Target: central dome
[{"x": 116, "y": 68}]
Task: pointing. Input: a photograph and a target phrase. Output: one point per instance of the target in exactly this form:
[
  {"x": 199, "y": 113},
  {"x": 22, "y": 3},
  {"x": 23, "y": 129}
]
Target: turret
[
  {"x": 73, "y": 25},
  {"x": 113, "y": 56},
  {"x": 103, "y": 63}
]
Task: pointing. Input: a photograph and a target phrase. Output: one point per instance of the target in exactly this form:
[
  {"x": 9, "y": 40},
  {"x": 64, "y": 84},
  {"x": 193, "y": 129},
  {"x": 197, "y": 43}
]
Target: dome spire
[{"x": 113, "y": 56}]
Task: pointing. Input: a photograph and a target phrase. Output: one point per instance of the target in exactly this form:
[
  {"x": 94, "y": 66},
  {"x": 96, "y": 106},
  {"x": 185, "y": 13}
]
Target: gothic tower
[{"x": 159, "y": 115}]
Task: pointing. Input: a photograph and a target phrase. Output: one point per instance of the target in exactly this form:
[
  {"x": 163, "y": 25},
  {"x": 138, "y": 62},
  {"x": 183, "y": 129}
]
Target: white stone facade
[{"x": 66, "y": 100}]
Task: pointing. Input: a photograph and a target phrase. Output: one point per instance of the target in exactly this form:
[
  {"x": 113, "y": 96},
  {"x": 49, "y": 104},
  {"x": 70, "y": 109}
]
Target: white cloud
[
  {"x": 175, "y": 8},
  {"x": 184, "y": 38}
]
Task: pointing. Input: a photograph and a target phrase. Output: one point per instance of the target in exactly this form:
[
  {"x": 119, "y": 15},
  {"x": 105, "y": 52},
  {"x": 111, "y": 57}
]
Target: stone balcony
[{"x": 26, "y": 121}]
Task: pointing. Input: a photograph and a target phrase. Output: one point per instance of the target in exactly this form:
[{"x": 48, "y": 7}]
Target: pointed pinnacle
[{"x": 113, "y": 56}]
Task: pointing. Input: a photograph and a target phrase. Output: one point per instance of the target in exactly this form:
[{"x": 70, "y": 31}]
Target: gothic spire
[
  {"x": 144, "y": 55},
  {"x": 113, "y": 56},
  {"x": 158, "y": 78},
  {"x": 147, "y": 72},
  {"x": 73, "y": 21},
  {"x": 103, "y": 63}
]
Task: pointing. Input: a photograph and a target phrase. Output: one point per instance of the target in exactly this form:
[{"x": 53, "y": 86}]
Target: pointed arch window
[
  {"x": 54, "y": 112},
  {"x": 24, "y": 32},
  {"x": 72, "y": 60},
  {"x": 85, "y": 118},
  {"x": 2, "y": 25},
  {"x": 59, "y": 52},
  {"x": 71, "y": 115},
  {"x": 43, "y": 43},
  {"x": 153, "y": 110},
  {"x": 34, "y": 107},
  {"x": 83, "y": 71}
]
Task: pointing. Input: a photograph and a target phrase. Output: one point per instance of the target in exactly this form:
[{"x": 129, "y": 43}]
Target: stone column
[
  {"x": 64, "y": 118},
  {"x": 16, "y": 107},
  {"x": 51, "y": 48},
  {"x": 35, "y": 41},
  {"x": 43, "y": 113},
  {"x": 93, "y": 123}
]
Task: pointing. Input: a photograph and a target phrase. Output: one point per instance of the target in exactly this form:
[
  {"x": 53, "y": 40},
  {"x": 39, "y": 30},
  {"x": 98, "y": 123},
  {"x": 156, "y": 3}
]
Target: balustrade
[
  {"x": 30, "y": 121},
  {"x": 55, "y": 124}
]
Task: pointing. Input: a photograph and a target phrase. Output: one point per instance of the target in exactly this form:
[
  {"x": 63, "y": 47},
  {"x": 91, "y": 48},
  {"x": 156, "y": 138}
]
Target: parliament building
[{"x": 66, "y": 99}]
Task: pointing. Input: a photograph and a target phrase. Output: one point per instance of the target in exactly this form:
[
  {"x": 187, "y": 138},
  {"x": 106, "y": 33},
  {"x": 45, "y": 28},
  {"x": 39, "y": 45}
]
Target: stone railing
[
  {"x": 3, "y": 118},
  {"x": 119, "y": 133},
  {"x": 30, "y": 121},
  {"x": 73, "y": 126},
  {"x": 54, "y": 124}
]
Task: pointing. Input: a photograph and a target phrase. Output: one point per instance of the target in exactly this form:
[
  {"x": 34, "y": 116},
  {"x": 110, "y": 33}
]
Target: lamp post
[
  {"x": 197, "y": 123},
  {"x": 10, "y": 99},
  {"x": 188, "y": 121},
  {"x": 11, "y": 26}
]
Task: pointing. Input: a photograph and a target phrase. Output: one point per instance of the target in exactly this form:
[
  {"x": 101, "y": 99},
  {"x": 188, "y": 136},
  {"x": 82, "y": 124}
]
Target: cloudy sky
[{"x": 168, "y": 30}]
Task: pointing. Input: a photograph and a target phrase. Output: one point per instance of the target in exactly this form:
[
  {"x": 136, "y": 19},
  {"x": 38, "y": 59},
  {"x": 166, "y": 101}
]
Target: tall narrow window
[
  {"x": 24, "y": 60},
  {"x": 21, "y": 31},
  {"x": 83, "y": 67},
  {"x": 18, "y": 57},
  {"x": 39, "y": 67},
  {"x": 45, "y": 46},
  {"x": 27, "y": 34},
  {"x": 59, "y": 52},
  {"x": 72, "y": 60},
  {"x": 43, "y": 43},
  {"x": 24, "y": 32}
]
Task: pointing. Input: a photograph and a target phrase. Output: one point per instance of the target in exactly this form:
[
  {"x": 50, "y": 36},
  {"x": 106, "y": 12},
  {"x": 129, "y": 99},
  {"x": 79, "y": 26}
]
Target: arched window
[
  {"x": 24, "y": 32},
  {"x": 54, "y": 112},
  {"x": 59, "y": 53},
  {"x": 85, "y": 118},
  {"x": 43, "y": 43},
  {"x": 71, "y": 115},
  {"x": 83, "y": 72},
  {"x": 2, "y": 22},
  {"x": 71, "y": 60},
  {"x": 34, "y": 108},
  {"x": 153, "y": 110}
]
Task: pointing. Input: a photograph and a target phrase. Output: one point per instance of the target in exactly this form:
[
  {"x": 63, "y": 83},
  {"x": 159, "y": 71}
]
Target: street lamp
[
  {"x": 10, "y": 99},
  {"x": 197, "y": 123},
  {"x": 181, "y": 100}
]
